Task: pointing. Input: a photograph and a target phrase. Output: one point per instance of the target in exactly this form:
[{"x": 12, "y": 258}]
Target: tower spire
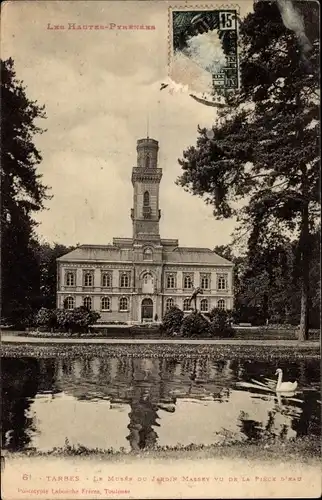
[{"x": 147, "y": 126}]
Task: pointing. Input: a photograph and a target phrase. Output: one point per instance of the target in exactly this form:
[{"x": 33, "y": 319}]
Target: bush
[
  {"x": 74, "y": 320},
  {"x": 65, "y": 319},
  {"x": 82, "y": 318},
  {"x": 194, "y": 325},
  {"x": 172, "y": 321},
  {"x": 46, "y": 318},
  {"x": 220, "y": 325}
]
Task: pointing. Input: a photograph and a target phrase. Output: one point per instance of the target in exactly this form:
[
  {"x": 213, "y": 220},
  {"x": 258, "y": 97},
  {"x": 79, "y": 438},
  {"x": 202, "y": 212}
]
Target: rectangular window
[
  {"x": 205, "y": 281},
  {"x": 88, "y": 278},
  {"x": 70, "y": 278},
  {"x": 171, "y": 280},
  {"x": 222, "y": 280},
  {"x": 187, "y": 281},
  {"x": 125, "y": 279},
  {"x": 106, "y": 279}
]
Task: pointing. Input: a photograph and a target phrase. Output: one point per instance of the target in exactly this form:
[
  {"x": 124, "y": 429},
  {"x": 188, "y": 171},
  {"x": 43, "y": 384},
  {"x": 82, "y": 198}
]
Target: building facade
[{"x": 138, "y": 279}]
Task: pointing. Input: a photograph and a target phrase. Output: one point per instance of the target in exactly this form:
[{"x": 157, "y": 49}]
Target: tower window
[
  {"x": 146, "y": 199},
  {"x": 147, "y": 161}
]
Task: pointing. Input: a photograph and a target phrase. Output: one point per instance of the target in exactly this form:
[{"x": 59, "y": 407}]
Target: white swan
[{"x": 284, "y": 386}]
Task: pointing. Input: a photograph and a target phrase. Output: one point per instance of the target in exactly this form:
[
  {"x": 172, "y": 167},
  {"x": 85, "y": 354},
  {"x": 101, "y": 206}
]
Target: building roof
[
  {"x": 180, "y": 255},
  {"x": 97, "y": 253},
  {"x": 188, "y": 255}
]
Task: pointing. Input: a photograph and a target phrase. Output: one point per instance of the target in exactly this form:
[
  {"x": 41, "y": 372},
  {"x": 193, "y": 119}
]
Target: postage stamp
[{"x": 203, "y": 47}]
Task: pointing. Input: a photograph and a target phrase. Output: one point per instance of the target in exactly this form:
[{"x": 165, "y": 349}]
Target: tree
[
  {"x": 172, "y": 320},
  {"x": 23, "y": 194},
  {"x": 194, "y": 325},
  {"x": 224, "y": 251},
  {"x": 262, "y": 165},
  {"x": 47, "y": 256},
  {"x": 46, "y": 318},
  {"x": 220, "y": 323}
]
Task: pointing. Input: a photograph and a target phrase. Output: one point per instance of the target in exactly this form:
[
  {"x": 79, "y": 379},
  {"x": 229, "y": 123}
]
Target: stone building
[{"x": 138, "y": 279}]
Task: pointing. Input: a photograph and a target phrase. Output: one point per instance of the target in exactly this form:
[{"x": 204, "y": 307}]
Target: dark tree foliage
[
  {"x": 266, "y": 284},
  {"x": 22, "y": 194},
  {"x": 262, "y": 165},
  {"x": 172, "y": 321},
  {"x": 194, "y": 325},
  {"x": 47, "y": 256}
]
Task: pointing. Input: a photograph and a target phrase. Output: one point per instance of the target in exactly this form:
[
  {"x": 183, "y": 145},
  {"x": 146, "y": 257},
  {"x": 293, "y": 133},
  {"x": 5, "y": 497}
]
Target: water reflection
[{"x": 137, "y": 403}]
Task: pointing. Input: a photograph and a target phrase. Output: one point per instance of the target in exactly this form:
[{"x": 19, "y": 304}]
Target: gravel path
[{"x": 14, "y": 339}]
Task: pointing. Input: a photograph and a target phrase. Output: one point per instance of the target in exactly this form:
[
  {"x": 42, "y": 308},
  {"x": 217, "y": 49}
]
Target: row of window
[
  {"x": 204, "y": 304},
  {"x": 69, "y": 303},
  {"x": 106, "y": 279},
  {"x": 205, "y": 281},
  {"x": 125, "y": 280}
]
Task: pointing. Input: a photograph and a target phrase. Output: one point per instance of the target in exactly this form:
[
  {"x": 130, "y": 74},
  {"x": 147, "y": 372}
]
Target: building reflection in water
[{"x": 151, "y": 387}]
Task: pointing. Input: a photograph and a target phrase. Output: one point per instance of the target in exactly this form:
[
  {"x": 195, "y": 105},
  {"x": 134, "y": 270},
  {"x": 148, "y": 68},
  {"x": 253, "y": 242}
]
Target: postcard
[{"x": 160, "y": 221}]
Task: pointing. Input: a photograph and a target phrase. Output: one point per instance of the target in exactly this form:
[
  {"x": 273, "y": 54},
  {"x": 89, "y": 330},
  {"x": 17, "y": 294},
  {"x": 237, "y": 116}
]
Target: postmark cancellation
[{"x": 203, "y": 47}]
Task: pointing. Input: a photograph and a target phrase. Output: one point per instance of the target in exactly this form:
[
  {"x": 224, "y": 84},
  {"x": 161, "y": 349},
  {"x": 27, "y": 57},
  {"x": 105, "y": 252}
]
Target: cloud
[{"x": 98, "y": 89}]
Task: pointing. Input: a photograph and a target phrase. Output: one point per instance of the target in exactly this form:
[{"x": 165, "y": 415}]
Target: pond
[{"x": 139, "y": 403}]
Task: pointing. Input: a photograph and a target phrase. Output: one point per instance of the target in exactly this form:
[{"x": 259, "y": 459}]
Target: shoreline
[
  {"x": 307, "y": 449},
  {"x": 251, "y": 350}
]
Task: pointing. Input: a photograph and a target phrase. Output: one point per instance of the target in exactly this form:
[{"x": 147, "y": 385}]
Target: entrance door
[{"x": 147, "y": 310}]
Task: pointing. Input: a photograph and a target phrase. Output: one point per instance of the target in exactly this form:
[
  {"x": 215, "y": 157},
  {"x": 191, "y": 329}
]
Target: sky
[{"x": 99, "y": 88}]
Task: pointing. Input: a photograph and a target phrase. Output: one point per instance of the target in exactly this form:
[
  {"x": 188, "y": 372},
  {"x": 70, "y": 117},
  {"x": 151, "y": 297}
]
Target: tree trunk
[{"x": 305, "y": 264}]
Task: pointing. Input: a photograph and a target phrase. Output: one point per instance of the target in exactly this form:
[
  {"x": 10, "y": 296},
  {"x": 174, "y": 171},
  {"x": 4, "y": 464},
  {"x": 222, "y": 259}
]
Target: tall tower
[{"x": 146, "y": 177}]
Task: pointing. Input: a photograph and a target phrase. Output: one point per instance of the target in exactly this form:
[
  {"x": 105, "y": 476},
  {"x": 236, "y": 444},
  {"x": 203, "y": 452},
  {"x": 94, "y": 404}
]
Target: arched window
[
  {"x": 169, "y": 303},
  {"x": 222, "y": 282},
  {"x": 147, "y": 254},
  {"x": 70, "y": 278},
  {"x": 187, "y": 282},
  {"x": 146, "y": 199},
  {"x": 106, "y": 280},
  {"x": 147, "y": 161},
  {"x": 171, "y": 281},
  {"x": 123, "y": 304},
  {"x": 204, "y": 305},
  {"x": 147, "y": 283},
  {"x": 221, "y": 304},
  {"x": 87, "y": 303},
  {"x": 88, "y": 279},
  {"x": 69, "y": 303},
  {"x": 105, "y": 304},
  {"x": 186, "y": 305}
]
